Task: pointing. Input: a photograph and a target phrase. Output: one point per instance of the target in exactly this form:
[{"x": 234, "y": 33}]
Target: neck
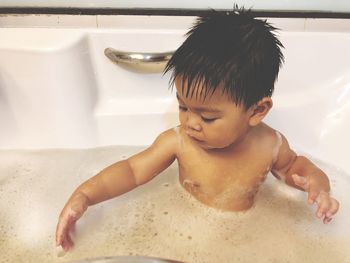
[{"x": 238, "y": 145}]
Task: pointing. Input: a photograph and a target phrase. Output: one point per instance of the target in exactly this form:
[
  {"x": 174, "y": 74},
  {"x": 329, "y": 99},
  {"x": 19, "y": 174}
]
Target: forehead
[{"x": 198, "y": 93}]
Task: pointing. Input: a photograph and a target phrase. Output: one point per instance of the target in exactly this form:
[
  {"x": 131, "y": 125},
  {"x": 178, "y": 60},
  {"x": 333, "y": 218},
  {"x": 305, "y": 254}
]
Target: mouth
[
  {"x": 197, "y": 140},
  {"x": 200, "y": 142},
  {"x": 194, "y": 138}
]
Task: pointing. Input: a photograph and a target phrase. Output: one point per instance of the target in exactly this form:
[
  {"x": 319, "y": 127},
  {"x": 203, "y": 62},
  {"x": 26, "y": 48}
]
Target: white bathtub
[{"x": 66, "y": 111}]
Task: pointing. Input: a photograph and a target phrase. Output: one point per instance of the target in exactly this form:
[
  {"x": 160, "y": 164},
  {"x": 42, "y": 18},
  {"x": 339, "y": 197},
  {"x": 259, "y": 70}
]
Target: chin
[
  {"x": 219, "y": 146},
  {"x": 205, "y": 146},
  {"x": 213, "y": 147}
]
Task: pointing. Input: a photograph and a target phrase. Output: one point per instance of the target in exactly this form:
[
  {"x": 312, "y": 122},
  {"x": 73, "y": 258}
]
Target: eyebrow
[{"x": 205, "y": 109}]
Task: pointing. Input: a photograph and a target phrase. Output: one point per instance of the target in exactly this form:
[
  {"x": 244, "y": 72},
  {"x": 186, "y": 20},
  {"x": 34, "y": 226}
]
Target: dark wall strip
[{"x": 164, "y": 12}]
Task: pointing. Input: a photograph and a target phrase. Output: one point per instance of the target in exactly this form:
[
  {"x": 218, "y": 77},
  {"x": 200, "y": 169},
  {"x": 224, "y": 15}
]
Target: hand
[
  {"x": 327, "y": 206},
  {"x": 72, "y": 211}
]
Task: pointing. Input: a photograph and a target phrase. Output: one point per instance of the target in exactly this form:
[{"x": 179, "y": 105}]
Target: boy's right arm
[{"x": 115, "y": 180}]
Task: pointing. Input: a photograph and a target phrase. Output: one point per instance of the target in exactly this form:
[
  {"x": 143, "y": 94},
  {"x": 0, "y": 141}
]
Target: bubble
[{"x": 168, "y": 223}]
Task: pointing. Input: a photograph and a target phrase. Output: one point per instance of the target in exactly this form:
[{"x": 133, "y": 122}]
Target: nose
[{"x": 192, "y": 122}]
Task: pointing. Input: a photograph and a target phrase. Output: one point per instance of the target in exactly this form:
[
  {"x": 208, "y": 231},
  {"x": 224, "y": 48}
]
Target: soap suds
[{"x": 160, "y": 218}]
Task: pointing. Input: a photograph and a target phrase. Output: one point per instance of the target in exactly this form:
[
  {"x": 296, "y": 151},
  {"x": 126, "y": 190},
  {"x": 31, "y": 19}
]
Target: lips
[
  {"x": 194, "y": 137},
  {"x": 197, "y": 140}
]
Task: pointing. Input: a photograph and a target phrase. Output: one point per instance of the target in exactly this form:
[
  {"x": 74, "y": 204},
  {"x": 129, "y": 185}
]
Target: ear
[{"x": 259, "y": 110}]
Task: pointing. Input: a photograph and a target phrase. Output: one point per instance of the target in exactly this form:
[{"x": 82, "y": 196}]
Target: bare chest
[{"x": 227, "y": 182}]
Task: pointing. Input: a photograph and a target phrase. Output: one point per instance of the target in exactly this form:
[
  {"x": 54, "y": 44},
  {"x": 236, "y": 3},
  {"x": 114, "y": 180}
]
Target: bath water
[{"x": 160, "y": 218}]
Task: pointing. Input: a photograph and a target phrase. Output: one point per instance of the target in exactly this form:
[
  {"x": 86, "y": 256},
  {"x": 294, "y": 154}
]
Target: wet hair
[{"x": 232, "y": 48}]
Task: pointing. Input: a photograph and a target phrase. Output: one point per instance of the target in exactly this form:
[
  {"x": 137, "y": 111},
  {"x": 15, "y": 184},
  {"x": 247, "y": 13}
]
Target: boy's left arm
[{"x": 301, "y": 173}]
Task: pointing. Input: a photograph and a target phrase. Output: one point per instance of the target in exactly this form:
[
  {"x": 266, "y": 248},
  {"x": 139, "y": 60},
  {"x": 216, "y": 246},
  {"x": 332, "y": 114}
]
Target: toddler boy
[{"x": 224, "y": 74}]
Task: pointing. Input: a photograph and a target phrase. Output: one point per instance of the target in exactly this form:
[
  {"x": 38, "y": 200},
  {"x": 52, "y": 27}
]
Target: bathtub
[{"x": 67, "y": 111}]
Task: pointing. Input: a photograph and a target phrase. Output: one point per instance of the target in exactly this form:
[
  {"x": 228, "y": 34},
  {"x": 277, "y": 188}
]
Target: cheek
[
  {"x": 221, "y": 133},
  {"x": 182, "y": 117}
]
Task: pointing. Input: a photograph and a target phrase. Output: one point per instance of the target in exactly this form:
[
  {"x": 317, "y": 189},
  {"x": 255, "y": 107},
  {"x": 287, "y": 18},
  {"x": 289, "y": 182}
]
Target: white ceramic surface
[
  {"x": 59, "y": 94},
  {"x": 58, "y": 90}
]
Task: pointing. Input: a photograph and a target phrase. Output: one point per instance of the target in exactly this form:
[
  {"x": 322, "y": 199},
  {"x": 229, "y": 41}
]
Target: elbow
[{"x": 135, "y": 174}]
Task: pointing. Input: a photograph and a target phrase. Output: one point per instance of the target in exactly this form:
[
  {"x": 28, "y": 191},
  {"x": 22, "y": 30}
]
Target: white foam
[{"x": 160, "y": 218}]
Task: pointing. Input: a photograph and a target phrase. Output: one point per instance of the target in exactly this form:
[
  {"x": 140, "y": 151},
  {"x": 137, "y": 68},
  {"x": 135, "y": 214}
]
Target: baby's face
[{"x": 215, "y": 123}]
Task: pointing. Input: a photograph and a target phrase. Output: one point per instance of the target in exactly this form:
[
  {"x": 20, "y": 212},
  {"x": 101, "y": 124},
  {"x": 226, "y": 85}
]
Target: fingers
[
  {"x": 73, "y": 210},
  {"x": 65, "y": 225},
  {"x": 334, "y": 208},
  {"x": 331, "y": 211},
  {"x": 327, "y": 207},
  {"x": 323, "y": 201},
  {"x": 63, "y": 236},
  {"x": 67, "y": 243}
]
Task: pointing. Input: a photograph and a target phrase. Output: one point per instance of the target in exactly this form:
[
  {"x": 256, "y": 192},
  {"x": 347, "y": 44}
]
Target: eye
[
  {"x": 182, "y": 108},
  {"x": 208, "y": 120}
]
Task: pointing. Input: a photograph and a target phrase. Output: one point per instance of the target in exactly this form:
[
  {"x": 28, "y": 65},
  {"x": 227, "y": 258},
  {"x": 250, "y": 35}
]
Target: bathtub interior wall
[
  {"x": 137, "y": 105},
  {"x": 58, "y": 90},
  {"x": 47, "y": 90},
  {"x": 312, "y": 95},
  {"x": 110, "y": 105}
]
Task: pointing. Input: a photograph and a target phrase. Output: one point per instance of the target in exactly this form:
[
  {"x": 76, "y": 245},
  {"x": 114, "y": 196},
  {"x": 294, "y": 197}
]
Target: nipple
[{"x": 190, "y": 183}]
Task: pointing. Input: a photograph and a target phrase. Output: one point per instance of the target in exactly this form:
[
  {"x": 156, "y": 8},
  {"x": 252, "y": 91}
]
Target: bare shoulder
[
  {"x": 168, "y": 137},
  {"x": 266, "y": 129},
  {"x": 154, "y": 159},
  {"x": 273, "y": 135},
  {"x": 283, "y": 154},
  {"x": 274, "y": 142},
  {"x": 167, "y": 140},
  {"x": 267, "y": 135}
]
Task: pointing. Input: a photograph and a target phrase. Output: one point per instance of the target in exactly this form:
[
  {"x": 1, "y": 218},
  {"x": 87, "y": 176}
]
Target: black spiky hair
[{"x": 230, "y": 48}]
